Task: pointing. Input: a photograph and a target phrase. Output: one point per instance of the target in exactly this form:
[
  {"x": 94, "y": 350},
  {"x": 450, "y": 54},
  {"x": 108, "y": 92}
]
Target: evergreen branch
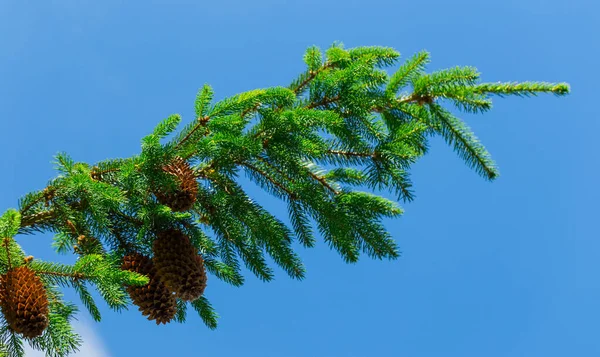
[
  {"x": 97, "y": 175},
  {"x": 88, "y": 301},
  {"x": 11, "y": 345},
  {"x": 407, "y": 71},
  {"x": 75, "y": 276},
  {"x": 301, "y": 224},
  {"x": 37, "y": 218},
  {"x": 376, "y": 55},
  {"x": 44, "y": 194},
  {"x": 323, "y": 182},
  {"x": 200, "y": 124},
  {"x": 206, "y": 312},
  {"x": 311, "y": 75},
  {"x": 458, "y": 134},
  {"x": 275, "y": 168},
  {"x": 44, "y": 217},
  {"x": 225, "y": 272},
  {"x": 457, "y": 76},
  {"x": 246, "y": 111},
  {"x": 203, "y": 99},
  {"x": 180, "y": 315},
  {"x": 266, "y": 175},
  {"x": 350, "y": 153},
  {"x": 59, "y": 339},
  {"x": 337, "y": 124},
  {"x": 6, "y": 243},
  {"x": 521, "y": 89},
  {"x": 324, "y": 102},
  {"x": 411, "y": 98}
]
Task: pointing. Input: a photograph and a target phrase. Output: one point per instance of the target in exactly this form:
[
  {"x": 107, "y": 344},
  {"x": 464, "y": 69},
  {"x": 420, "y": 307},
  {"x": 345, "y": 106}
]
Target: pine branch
[
  {"x": 406, "y": 72},
  {"x": 456, "y": 133},
  {"x": 324, "y": 102},
  {"x": 45, "y": 194},
  {"x": 275, "y": 168},
  {"x": 355, "y": 115},
  {"x": 311, "y": 75},
  {"x": 37, "y": 218},
  {"x": 350, "y": 153},
  {"x": 522, "y": 89},
  {"x": 324, "y": 182},
  {"x": 201, "y": 123},
  {"x": 74, "y": 276},
  {"x": 254, "y": 108},
  {"x": 265, "y": 175}
]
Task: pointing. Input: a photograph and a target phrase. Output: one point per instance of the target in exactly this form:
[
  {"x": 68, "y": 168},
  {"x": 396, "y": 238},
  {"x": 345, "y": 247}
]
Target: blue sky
[{"x": 508, "y": 268}]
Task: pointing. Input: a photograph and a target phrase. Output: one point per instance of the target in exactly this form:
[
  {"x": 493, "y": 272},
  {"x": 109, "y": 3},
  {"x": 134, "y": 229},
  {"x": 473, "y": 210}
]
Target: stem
[
  {"x": 201, "y": 123},
  {"x": 48, "y": 191},
  {"x": 312, "y": 76},
  {"x": 245, "y": 112},
  {"x": 323, "y": 182},
  {"x": 37, "y": 218},
  {"x": 76, "y": 276},
  {"x": 266, "y": 175},
  {"x": 6, "y": 245},
  {"x": 283, "y": 174},
  {"x": 324, "y": 101},
  {"x": 97, "y": 175},
  {"x": 350, "y": 153}
]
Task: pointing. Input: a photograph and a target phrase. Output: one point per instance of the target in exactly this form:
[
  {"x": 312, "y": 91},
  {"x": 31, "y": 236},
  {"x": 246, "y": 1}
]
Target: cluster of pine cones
[{"x": 176, "y": 270}]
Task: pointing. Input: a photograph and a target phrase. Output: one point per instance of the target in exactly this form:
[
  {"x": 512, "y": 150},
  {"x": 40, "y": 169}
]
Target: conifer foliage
[{"x": 148, "y": 229}]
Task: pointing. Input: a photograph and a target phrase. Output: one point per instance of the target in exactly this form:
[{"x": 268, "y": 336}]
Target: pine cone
[
  {"x": 179, "y": 265},
  {"x": 24, "y": 302},
  {"x": 154, "y": 299},
  {"x": 183, "y": 197}
]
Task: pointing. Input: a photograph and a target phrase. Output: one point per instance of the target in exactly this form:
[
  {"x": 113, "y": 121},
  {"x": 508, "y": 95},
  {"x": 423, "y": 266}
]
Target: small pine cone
[
  {"x": 183, "y": 197},
  {"x": 179, "y": 265},
  {"x": 154, "y": 299},
  {"x": 24, "y": 302}
]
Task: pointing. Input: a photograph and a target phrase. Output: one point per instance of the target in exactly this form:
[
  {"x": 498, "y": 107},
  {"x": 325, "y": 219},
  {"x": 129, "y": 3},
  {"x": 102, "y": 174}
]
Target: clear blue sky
[{"x": 508, "y": 268}]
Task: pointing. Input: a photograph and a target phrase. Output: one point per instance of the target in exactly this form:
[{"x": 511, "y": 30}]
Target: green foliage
[
  {"x": 166, "y": 127},
  {"x": 407, "y": 72},
  {"x": 313, "y": 58},
  {"x": 206, "y": 312},
  {"x": 468, "y": 147},
  {"x": 341, "y": 127},
  {"x": 10, "y": 222},
  {"x": 203, "y": 100}
]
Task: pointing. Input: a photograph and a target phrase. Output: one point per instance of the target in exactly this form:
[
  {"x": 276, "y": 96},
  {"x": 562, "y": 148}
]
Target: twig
[
  {"x": 36, "y": 218},
  {"x": 324, "y": 101},
  {"x": 201, "y": 123},
  {"x": 266, "y": 175},
  {"x": 312, "y": 75},
  {"x": 323, "y": 182},
  {"x": 76, "y": 276},
  {"x": 350, "y": 153}
]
